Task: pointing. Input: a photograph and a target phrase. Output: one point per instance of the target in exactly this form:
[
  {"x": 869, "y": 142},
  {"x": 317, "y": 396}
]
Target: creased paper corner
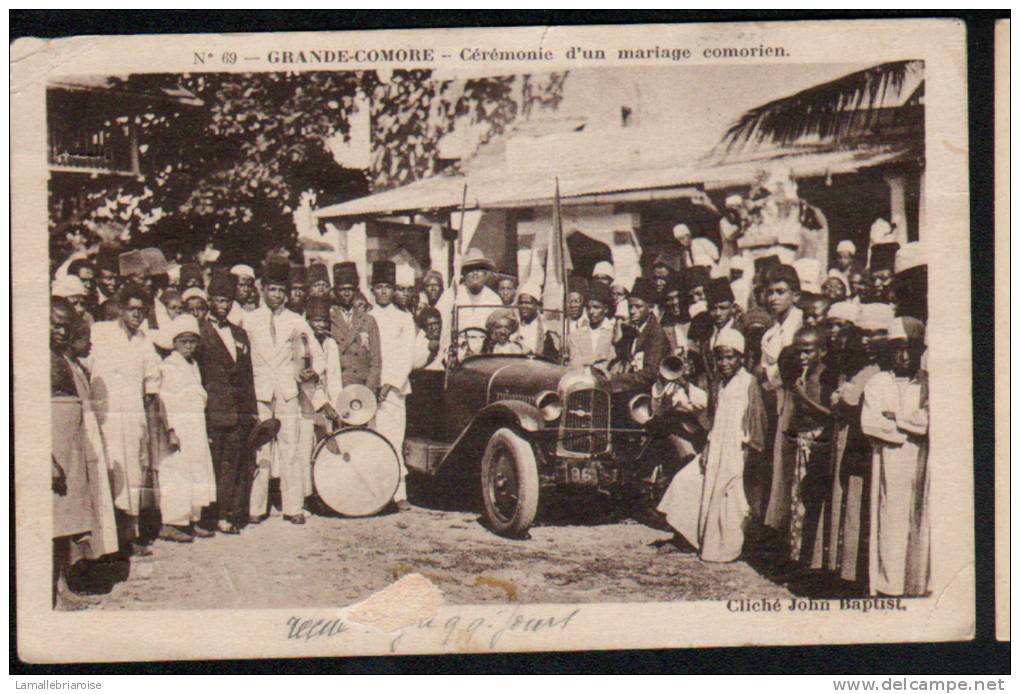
[{"x": 409, "y": 600}]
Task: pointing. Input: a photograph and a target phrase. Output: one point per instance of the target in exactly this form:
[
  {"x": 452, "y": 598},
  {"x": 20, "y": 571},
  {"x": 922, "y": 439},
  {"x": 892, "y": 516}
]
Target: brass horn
[
  {"x": 671, "y": 367},
  {"x": 356, "y": 405},
  {"x": 641, "y": 408}
]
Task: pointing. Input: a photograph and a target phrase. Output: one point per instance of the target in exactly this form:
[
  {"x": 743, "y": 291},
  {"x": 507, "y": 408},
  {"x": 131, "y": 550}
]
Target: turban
[
  {"x": 184, "y": 323},
  {"x": 875, "y": 317},
  {"x": 242, "y": 271},
  {"x": 728, "y": 337},
  {"x": 680, "y": 231},
  {"x": 846, "y": 246},
  {"x": 68, "y": 285},
  {"x": 501, "y": 314},
  {"x": 603, "y": 268},
  {"x": 195, "y": 292},
  {"x": 845, "y": 310}
]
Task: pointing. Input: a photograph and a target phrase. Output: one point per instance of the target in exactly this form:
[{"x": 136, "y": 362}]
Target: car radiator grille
[{"x": 586, "y": 422}]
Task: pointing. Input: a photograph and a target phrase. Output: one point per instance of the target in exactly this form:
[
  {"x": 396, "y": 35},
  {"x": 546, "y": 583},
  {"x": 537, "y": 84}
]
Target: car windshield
[{"x": 497, "y": 329}]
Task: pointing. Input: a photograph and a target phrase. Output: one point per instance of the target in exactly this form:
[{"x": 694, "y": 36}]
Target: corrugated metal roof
[{"x": 494, "y": 188}]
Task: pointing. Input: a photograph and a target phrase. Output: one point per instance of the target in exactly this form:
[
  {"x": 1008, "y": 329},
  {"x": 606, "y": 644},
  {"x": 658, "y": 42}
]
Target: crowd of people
[{"x": 800, "y": 393}]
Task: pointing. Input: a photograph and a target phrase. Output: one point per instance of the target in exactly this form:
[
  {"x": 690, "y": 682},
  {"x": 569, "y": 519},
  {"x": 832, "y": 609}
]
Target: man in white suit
[
  {"x": 396, "y": 339},
  {"x": 285, "y": 354}
]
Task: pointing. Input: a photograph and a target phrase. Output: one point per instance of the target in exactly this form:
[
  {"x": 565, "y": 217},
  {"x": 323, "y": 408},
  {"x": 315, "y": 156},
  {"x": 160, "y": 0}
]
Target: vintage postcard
[{"x": 480, "y": 340}]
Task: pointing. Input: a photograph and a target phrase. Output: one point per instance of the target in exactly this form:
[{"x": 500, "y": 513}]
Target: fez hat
[
  {"x": 763, "y": 265},
  {"x": 155, "y": 261},
  {"x": 345, "y": 274},
  {"x": 644, "y": 290},
  {"x": 276, "y": 272},
  {"x": 317, "y": 272},
  {"x": 222, "y": 283},
  {"x": 384, "y": 272},
  {"x": 264, "y": 432},
  {"x": 600, "y": 293},
  {"x": 669, "y": 260},
  {"x": 133, "y": 262},
  {"x": 475, "y": 258},
  {"x": 697, "y": 276},
  {"x": 883, "y": 256},
  {"x": 191, "y": 271},
  {"x": 317, "y": 307},
  {"x": 718, "y": 290},
  {"x": 298, "y": 274}
]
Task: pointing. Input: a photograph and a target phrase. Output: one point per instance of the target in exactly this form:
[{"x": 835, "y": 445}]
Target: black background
[{"x": 983, "y": 655}]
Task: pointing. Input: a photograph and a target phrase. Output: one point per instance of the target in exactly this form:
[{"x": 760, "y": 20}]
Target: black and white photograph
[{"x": 524, "y": 333}]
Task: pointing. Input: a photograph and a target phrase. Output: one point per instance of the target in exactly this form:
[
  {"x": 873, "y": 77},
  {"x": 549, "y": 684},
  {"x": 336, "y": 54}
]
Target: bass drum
[{"x": 356, "y": 471}]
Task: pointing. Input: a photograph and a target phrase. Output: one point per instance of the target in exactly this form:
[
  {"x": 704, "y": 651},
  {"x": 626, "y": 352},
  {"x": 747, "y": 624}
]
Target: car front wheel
[{"x": 509, "y": 483}]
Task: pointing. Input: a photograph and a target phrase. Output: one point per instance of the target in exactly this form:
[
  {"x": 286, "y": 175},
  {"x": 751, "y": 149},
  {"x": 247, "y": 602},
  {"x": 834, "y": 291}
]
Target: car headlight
[{"x": 549, "y": 404}]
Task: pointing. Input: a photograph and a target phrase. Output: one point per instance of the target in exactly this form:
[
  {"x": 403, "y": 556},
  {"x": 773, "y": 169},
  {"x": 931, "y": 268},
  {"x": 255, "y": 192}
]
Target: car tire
[{"x": 510, "y": 488}]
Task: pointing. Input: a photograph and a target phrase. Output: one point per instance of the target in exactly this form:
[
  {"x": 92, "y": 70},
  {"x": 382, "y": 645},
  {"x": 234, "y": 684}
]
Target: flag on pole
[{"x": 557, "y": 261}]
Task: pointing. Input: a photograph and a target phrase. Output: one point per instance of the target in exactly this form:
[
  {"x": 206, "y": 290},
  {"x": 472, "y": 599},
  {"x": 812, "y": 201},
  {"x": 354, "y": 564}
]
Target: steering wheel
[{"x": 462, "y": 341}]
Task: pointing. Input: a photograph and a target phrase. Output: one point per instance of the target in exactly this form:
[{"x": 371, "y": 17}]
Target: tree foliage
[{"x": 232, "y": 171}]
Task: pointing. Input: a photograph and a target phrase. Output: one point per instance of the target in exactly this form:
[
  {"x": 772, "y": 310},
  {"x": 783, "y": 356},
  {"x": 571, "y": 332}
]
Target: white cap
[
  {"x": 696, "y": 308},
  {"x": 405, "y": 276},
  {"x": 68, "y": 285},
  {"x": 532, "y": 289},
  {"x": 808, "y": 271},
  {"x": 896, "y": 330},
  {"x": 681, "y": 231},
  {"x": 604, "y": 268},
  {"x": 845, "y": 310},
  {"x": 733, "y": 201},
  {"x": 242, "y": 271},
  {"x": 703, "y": 251},
  {"x": 728, "y": 337},
  {"x": 184, "y": 323},
  {"x": 875, "y": 317},
  {"x": 193, "y": 292},
  {"x": 835, "y": 274},
  {"x": 846, "y": 246},
  {"x": 908, "y": 257}
]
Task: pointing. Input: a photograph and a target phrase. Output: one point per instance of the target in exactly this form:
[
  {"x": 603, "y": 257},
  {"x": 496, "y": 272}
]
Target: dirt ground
[{"x": 334, "y": 561}]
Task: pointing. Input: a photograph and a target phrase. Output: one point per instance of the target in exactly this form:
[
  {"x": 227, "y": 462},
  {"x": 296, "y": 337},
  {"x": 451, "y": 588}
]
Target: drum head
[{"x": 356, "y": 472}]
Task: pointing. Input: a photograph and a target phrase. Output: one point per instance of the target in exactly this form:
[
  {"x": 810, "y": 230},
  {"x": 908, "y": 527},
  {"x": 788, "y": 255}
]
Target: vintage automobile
[{"x": 520, "y": 425}]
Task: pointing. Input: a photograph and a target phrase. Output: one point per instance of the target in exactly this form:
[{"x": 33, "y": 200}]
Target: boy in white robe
[
  {"x": 895, "y": 416},
  {"x": 187, "y": 482}
]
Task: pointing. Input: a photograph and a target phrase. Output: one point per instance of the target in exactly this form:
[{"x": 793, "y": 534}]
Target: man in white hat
[
  {"x": 732, "y": 225},
  {"x": 531, "y": 328},
  {"x": 473, "y": 301},
  {"x": 73, "y": 289},
  {"x": 404, "y": 293},
  {"x": 604, "y": 273},
  {"x": 682, "y": 235},
  {"x": 246, "y": 298}
]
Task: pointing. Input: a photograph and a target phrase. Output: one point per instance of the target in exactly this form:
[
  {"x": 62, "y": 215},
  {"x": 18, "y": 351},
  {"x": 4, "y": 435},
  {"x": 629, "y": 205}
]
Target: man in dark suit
[
  {"x": 355, "y": 332},
  {"x": 224, "y": 359},
  {"x": 643, "y": 344}
]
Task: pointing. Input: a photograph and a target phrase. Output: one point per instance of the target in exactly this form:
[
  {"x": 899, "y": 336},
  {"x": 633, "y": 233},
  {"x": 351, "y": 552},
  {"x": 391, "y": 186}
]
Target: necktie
[{"x": 272, "y": 327}]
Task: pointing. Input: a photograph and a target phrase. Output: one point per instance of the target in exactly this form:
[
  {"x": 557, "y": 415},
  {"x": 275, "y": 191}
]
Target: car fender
[{"x": 516, "y": 414}]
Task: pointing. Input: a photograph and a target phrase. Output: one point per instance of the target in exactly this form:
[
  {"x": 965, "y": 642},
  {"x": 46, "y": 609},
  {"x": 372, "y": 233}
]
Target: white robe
[
  {"x": 187, "y": 482},
  {"x": 123, "y": 370},
  {"x": 724, "y": 506},
  {"x": 897, "y": 480}
]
